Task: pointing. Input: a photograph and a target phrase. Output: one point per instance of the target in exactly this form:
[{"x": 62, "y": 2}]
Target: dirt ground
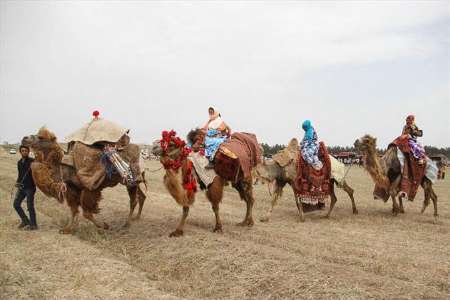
[{"x": 372, "y": 255}]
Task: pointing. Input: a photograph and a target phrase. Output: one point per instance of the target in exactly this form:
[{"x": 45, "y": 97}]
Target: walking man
[{"x": 25, "y": 189}]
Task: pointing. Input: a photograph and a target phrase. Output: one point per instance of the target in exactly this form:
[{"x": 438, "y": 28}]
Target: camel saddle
[
  {"x": 313, "y": 186},
  {"x": 237, "y": 156},
  {"x": 413, "y": 172}
]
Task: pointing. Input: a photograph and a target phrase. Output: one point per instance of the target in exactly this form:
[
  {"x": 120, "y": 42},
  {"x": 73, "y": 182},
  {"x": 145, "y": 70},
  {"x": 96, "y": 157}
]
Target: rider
[
  {"x": 413, "y": 132},
  {"x": 309, "y": 146},
  {"x": 217, "y": 131}
]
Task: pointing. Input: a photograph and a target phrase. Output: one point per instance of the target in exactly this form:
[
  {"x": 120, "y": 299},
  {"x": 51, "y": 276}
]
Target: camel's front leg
[
  {"x": 333, "y": 199},
  {"x": 276, "y": 193},
  {"x": 142, "y": 196},
  {"x": 299, "y": 207},
  {"x": 68, "y": 229},
  {"x": 90, "y": 217},
  {"x": 179, "y": 230}
]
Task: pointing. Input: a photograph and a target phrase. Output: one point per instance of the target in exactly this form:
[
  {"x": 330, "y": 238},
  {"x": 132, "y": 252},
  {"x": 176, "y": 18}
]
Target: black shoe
[
  {"x": 23, "y": 225},
  {"x": 32, "y": 227}
]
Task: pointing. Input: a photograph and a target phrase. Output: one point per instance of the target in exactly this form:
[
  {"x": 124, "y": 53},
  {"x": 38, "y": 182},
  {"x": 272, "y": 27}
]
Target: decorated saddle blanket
[
  {"x": 199, "y": 161},
  {"x": 241, "y": 153},
  {"x": 311, "y": 185}
]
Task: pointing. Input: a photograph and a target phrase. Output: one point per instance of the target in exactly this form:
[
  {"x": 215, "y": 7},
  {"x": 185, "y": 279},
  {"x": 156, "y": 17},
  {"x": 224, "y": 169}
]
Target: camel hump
[{"x": 98, "y": 130}]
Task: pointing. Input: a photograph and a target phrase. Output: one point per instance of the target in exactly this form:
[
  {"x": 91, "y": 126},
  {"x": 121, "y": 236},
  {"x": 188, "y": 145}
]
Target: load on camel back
[
  {"x": 209, "y": 160},
  {"x": 99, "y": 155},
  {"x": 309, "y": 170}
]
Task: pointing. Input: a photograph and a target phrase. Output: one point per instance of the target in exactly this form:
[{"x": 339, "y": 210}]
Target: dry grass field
[{"x": 372, "y": 255}]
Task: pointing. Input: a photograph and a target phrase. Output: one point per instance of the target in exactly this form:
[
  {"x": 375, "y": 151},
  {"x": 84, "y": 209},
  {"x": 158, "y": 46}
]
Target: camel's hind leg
[
  {"x": 132, "y": 193},
  {"x": 214, "y": 195},
  {"x": 245, "y": 189},
  {"x": 276, "y": 193},
  {"x": 179, "y": 231},
  {"x": 350, "y": 193},
  {"x": 401, "y": 208},
  {"x": 141, "y": 196},
  {"x": 393, "y": 191},
  {"x": 89, "y": 202},
  {"x": 429, "y": 193}
]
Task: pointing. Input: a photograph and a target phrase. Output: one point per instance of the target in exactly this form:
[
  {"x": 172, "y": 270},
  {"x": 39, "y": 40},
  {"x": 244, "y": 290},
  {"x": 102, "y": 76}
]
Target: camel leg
[
  {"x": 299, "y": 207},
  {"x": 68, "y": 229},
  {"x": 333, "y": 199},
  {"x": 247, "y": 195},
  {"x": 218, "y": 227},
  {"x": 179, "y": 230},
  {"x": 435, "y": 199},
  {"x": 141, "y": 199},
  {"x": 350, "y": 192},
  {"x": 429, "y": 193},
  {"x": 276, "y": 194},
  {"x": 214, "y": 195},
  {"x": 401, "y": 209},
  {"x": 393, "y": 191},
  {"x": 132, "y": 193},
  {"x": 142, "y": 193},
  {"x": 90, "y": 217}
]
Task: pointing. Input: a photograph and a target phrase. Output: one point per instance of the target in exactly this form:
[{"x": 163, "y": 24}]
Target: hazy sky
[{"x": 350, "y": 67}]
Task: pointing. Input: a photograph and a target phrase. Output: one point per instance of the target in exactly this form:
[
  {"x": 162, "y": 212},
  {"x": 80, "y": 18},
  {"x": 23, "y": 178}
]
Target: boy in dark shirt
[{"x": 25, "y": 189}]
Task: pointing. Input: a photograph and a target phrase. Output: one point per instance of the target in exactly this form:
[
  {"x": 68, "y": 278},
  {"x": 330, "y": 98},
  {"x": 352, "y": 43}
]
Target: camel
[
  {"x": 386, "y": 172},
  {"x": 60, "y": 181},
  {"x": 175, "y": 180},
  {"x": 278, "y": 176}
]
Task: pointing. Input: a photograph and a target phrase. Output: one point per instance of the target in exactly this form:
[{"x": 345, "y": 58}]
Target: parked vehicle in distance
[{"x": 12, "y": 151}]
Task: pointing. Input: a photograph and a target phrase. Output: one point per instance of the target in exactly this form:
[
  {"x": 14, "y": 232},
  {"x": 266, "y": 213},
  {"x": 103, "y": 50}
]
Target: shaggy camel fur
[
  {"x": 60, "y": 181},
  {"x": 386, "y": 172},
  {"x": 173, "y": 181},
  {"x": 277, "y": 177}
]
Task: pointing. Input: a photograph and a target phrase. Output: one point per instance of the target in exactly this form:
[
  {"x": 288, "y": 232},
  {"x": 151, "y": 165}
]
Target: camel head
[
  {"x": 43, "y": 143},
  {"x": 365, "y": 144},
  {"x": 196, "y": 138},
  {"x": 43, "y": 139}
]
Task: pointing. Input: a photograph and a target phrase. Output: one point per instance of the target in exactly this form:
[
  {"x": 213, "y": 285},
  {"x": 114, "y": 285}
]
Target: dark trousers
[{"x": 20, "y": 196}]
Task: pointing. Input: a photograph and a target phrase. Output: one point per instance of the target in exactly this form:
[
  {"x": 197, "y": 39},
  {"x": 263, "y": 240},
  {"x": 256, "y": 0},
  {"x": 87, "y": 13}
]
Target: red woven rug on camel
[
  {"x": 237, "y": 156},
  {"x": 313, "y": 186},
  {"x": 413, "y": 172}
]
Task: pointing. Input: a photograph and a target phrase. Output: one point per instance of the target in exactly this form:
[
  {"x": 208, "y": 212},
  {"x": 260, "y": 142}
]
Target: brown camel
[
  {"x": 174, "y": 180},
  {"x": 278, "y": 176},
  {"x": 60, "y": 181},
  {"x": 386, "y": 173}
]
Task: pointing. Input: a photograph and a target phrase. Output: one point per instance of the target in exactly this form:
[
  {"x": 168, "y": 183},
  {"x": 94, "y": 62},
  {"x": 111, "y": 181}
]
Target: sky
[{"x": 350, "y": 67}]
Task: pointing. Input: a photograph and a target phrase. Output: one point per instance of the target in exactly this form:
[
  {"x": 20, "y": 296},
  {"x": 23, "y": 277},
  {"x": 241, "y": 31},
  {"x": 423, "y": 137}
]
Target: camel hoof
[
  {"x": 355, "y": 212},
  {"x": 105, "y": 226},
  {"x": 176, "y": 233},
  {"x": 65, "y": 231},
  {"x": 402, "y": 211},
  {"x": 218, "y": 230},
  {"x": 325, "y": 217},
  {"x": 264, "y": 219},
  {"x": 301, "y": 220},
  {"x": 248, "y": 223}
]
